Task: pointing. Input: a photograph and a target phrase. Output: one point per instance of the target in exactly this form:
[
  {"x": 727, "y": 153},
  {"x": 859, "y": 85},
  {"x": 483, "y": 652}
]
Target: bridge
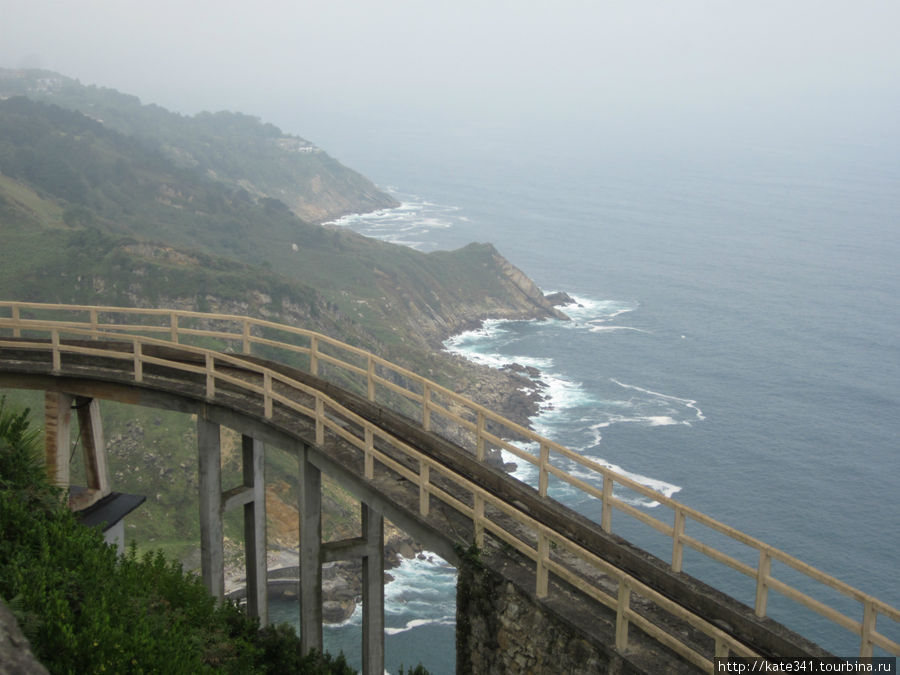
[{"x": 418, "y": 454}]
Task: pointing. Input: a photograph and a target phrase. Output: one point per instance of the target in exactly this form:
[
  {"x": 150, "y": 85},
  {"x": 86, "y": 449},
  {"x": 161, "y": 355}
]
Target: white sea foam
[
  {"x": 406, "y": 225},
  {"x": 415, "y": 623},
  {"x": 609, "y": 329},
  {"x": 585, "y": 310},
  {"x": 560, "y": 395},
  {"x": 686, "y": 402},
  {"x": 423, "y": 588},
  {"x": 563, "y": 395},
  {"x": 598, "y": 316},
  {"x": 480, "y": 345},
  {"x": 634, "y": 499}
]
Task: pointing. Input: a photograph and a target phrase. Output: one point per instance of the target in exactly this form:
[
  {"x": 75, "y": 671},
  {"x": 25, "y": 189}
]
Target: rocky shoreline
[{"x": 341, "y": 580}]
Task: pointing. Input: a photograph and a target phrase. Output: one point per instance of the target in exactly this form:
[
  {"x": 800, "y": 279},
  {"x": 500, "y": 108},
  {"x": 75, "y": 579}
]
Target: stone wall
[{"x": 501, "y": 629}]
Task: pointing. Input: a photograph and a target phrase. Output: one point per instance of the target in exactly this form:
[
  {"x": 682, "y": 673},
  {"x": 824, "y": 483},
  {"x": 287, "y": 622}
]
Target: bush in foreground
[{"x": 85, "y": 609}]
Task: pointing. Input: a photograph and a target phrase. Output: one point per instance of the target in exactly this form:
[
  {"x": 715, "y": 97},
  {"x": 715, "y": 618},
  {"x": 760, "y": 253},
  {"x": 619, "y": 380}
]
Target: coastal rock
[
  {"x": 334, "y": 611},
  {"x": 560, "y": 299},
  {"x": 529, "y": 371}
]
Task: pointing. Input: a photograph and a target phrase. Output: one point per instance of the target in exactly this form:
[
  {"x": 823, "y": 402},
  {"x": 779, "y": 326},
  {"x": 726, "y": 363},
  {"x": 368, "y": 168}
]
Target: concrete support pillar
[
  {"x": 369, "y": 547},
  {"x": 373, "y": 592},
  {"x": 255, "y": 529},
  {"x": 57, "y": 434},
  {"x": 93, "y": 452},
  {"x": 212, "y": 550},
  {"x": 310, "y": 554}
]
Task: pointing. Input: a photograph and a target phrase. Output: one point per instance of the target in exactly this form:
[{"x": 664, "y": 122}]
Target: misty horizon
[{"x": 642, "y": 79}]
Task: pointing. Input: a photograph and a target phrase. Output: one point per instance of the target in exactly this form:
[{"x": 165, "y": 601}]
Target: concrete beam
[{"x": 345, "y": 549}]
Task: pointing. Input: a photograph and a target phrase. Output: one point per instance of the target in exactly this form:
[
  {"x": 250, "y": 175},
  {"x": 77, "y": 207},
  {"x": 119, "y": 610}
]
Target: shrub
[{"x": 87, "y": 610}]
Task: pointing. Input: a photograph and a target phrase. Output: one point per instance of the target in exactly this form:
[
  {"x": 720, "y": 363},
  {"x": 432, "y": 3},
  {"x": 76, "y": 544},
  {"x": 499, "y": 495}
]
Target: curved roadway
[{"x": 443, "y": 529}]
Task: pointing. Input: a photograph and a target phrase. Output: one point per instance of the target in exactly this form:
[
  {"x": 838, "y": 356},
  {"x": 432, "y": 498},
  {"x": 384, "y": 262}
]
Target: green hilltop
[{"x": 233, "y": 148}]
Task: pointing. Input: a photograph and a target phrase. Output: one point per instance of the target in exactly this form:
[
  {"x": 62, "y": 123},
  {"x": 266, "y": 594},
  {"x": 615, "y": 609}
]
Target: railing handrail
[{"x": 172, "y": 333}]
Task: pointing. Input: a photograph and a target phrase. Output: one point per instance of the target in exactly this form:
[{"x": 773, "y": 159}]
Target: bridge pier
[
  {"x": 310, "y": 553},
  {"x": 313, "y": 552},
  {"x": 57, "y": 439},
  {"x": 95, "y": 503},
  {"x": 58, "y": 408},
  {"x": 212, "y": 546},
  {"x": 214, "y": 503},
  {"x": 255, "y": 564}
]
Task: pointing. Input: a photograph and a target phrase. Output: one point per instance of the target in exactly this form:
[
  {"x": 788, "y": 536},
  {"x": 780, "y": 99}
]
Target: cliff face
[{"x": 494, "y": 288}]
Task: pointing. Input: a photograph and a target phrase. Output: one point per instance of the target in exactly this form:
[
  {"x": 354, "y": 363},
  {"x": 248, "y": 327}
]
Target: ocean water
[
  {"x": 419, "y": 618},
  {"x": 735, "y": 343}
]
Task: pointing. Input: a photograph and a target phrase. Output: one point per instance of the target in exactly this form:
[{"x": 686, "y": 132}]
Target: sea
[{"x": 734, "y": 344}]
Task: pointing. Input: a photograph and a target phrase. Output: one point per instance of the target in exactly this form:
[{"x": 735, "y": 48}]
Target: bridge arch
[{"x": 449, "y": 496}]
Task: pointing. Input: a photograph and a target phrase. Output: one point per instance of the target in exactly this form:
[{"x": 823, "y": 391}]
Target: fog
[{"x": 642, "y": 75}]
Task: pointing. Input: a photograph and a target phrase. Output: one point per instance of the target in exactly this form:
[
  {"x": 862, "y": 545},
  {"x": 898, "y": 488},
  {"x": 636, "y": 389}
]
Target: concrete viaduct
[{"x": 541, "y": 587}]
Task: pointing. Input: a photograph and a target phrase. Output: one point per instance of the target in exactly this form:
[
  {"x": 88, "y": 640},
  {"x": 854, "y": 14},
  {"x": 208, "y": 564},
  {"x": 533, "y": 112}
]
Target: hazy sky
[{"x": 639, "y": 68}]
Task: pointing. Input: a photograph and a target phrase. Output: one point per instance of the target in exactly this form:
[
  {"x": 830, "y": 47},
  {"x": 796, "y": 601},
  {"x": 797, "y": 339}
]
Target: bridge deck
[{"x": 439, "y": 527}]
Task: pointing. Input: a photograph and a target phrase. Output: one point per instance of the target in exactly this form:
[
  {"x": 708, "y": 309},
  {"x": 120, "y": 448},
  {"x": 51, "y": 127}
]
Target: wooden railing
[{"x": 212, "y": 336}]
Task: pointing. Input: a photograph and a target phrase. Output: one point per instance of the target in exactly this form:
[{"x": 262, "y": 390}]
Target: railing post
[
  {"x": 606, "y": 513},
  {"x": 57, "y": 358},
  {"x": 479, "y": 521},
  {"x": 424, "y": 494},
  {"x": 94, "y": 325},
  {"x": 622, "y": 607},
  {"x": 246, "y": 336},
  {"x": 267, "y": 395},
  {"x": 138, "y": 361},
  {"x": 543, "y": 576},
  {"x": 426, "y": 407},
  {"x": 870, "y": 616},
  {"x": 479, "y": 437},
  {"x": 370, "y": 457},
  {"x": 313, "y": 355},
  {"x": 17, "y": 332},
  {"x": 677, "y": 546},
  {"x": 370, "y": 378},
  {"x": 543, "y": 477},
  {"x": 320, "y": 421},
  {"x": 173, "y": 326},
  {"x": 762, "y": 581},
  {"x": 722, "y": 650},
  {"x": 210, "y": 376}
]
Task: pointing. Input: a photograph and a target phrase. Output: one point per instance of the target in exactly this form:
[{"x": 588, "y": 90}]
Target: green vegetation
[
  {"x": 87, "y": 610},
  {"x": 91, "y": 215},
  {"x": 239, "y": 150}
]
